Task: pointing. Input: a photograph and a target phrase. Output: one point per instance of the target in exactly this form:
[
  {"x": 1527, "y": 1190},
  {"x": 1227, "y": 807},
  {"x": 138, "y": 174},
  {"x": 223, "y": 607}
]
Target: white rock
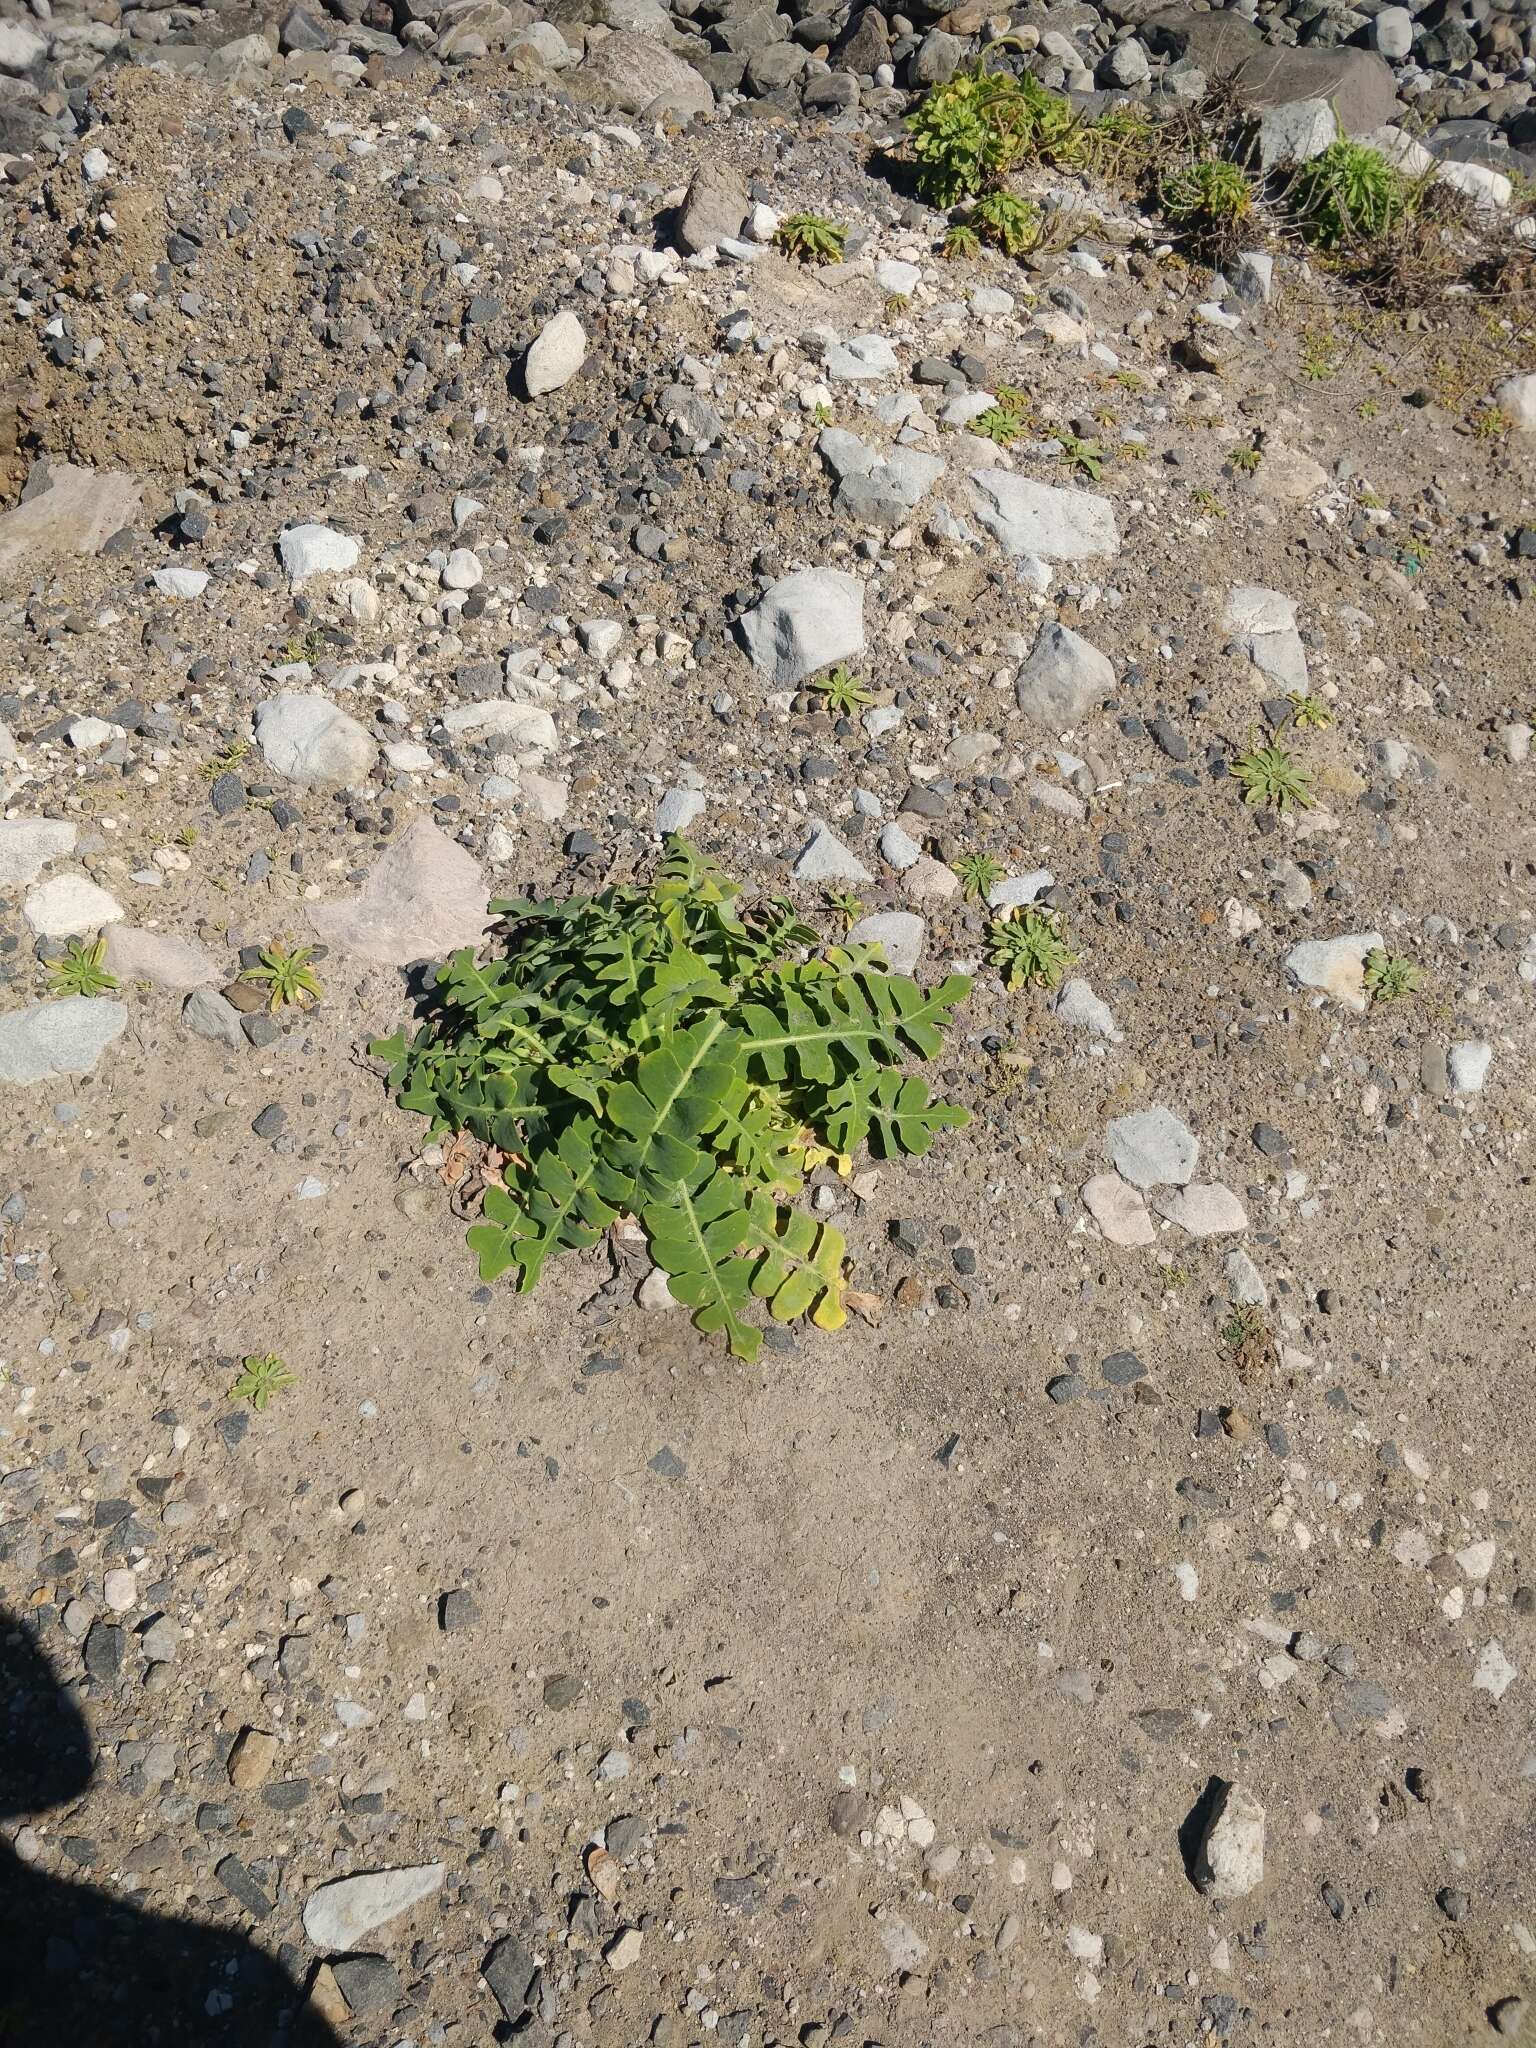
[
  {"x": 409, "y": 757},
  {"x": 824, "y": 858},
  {"x": 462, "y": 570},
  {"x": 181, "y": 582},
  {"x": 1245, "y": 1283},
  {"x": 1494, "y": 1674},
  {"x": 678, "y": 809},
  {"x": 805, "y": 622},
  {"x": 1229, "y": 1863},
  {"x": 1252, "y": 277},
  {"x": 312, "y": 740},
  {"x": 1013, "y": 892},
  {"x": 20, "y": 47},
  {"x": 89, "y": 735},
  {"x": 1516, "y": 396},
  {"x": 1119, "y": 1211},
  {"x": 121, "y": 1589},
  {"x": 521, "y": 725},
  {"x": 1392, "y": 33},
  {"x": 28, "y": 844},
  {"x": 898, "y": 848},
  {"x": 424, "y": 897},
  {"x": 95, "y": 166},
  {"x": 160, "y": 958},
  {"x": 1263, "y": 623},
  {"x": 338, "y": 1915},
  {"x": 867, "y": 358},
  {"x": 69, "y": 906},
  {"x": 47, "y": 1040},
  {"x": 897, "y": 280},
  {"x": 1076, "y": 1004},
  {"x": 1153, "y": 1148},
  {"x": 315, "y": 550},
  {"x": 1336, "y": 966},
  {"x": 600, "y": 637},
  {"x": 898, "y": 933},
  {"x": 655, "y": 1294},
  {"x": 1028, "y": 518},
  {"x": 1487, "y": 190},
  {"x": 1295, "y": 132},
  {"x": 556, "y": 355},
  {"x": 1467, "y": 1063},
  {"x": 1203, "y": 1209},
  {"x": 547, "y": 796}
]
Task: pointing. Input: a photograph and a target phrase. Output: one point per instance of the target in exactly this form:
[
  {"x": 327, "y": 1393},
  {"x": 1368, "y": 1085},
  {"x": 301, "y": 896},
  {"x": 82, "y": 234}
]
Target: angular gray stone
[
  {"x": 1336, "y": 966},
  {"x": 1077, "y": 1005},
  {"x": 678, "y": 809},
  {"x": 314, "y": 550},
  {"x": 898, "y": 933},
  {"x": 557, "y": 353},
  {"x": 64, "y": 510},
  {"x": 68, "y": 906},
  {"x": 28, "y": 844},
  {"x": 1027, "y": 518},
  {"x": 213, "y": 1017},
  {"x": 1229, "y": 1862},
  {"x": 1152, "y": 1148},
  {"x": 339, "y": 1915},
  {"x": 312, "y": 740},
  {"x": 713, "y": 208},
  {"x": 805, "y": 622},
  {"x": 634, "y": 73},
  {"x": 824, "y": 858},
  {"x": 1119, "y": 1210},
  {"x": 424, "y": 897},
  {"x": 47, "y": 1040},
  {"x": 880, "y": 488},
  {"x": 160, "y": 958},
  {"x": 1295, "y": 132},
  {"x": 1357, "y": 84},
  {"x": 1205, "y": 1209},
  {"x": 866, "y": 359},
  {"x": 898, "y": 847},
  {"x": 1263, "y": 623},
  {"x": 1063, "y": 679}
]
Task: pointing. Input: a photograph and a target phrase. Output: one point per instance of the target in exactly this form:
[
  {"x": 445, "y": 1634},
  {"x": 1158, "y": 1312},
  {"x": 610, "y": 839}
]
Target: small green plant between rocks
[
  {"x": 657, "y": 1052},
  {"x": 1030, "y": 948},
  {"x": 79, "y": 971},
  {"x": 844, "y": 691},
  {"x": 1390, "y": 976},
  {"x": 978, "y": 872},
  {"x": 811, "y": 238},
  {"x": 1272, "y": 777},
  {"x": 1350, "y": 193},
  {"x": 288, "y": 976}
]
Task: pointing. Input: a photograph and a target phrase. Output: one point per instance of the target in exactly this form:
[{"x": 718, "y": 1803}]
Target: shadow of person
[{"x": 82, "y": 1968}]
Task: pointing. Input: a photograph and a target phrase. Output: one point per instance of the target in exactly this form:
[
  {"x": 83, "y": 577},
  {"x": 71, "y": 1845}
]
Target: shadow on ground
[{"x": 85, "y": 1968}]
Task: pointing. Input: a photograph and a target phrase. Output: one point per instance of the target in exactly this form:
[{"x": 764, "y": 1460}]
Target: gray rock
[
  {"x": 312, "y": 740},
  {"x": 159, "y": 958},
  {"x": 1077, "y": 1005},
  {"x": 28, "y": 844},
  {"x": 368, "y": 1983},
  {"x": 1245, "y": 1283},
  {"x": 1027, "y": 518},
  {"x": 824, "y": 858},
  {"x": 547, "y": 44},
  {"x": 513, "y": 1976},
  {"x": 1263, "y": 624},
  {"x": 213, "y": 1017},
  {"x": 424, "y": 897},
  {"x": 1063, "y": 679},
  {"x": 805, "y": 622},
  {"x": 47, "y": 1040},
  {"x": 1295, "y": 133},
  {"x": 678, "y": 809},
  {"x": 315, "y": 550},
  {"x": 557, "y": 353},
  {"x": 1336, "y": 966},
  {"x": 899, "y": 934},
  {"x": 1204, "y": 1210},
  {"x": 898, "y": 848},
  {"x": 1468, "y": 1064},
  {"x": 634, "y": 73},
  {"x": 937, "y": 58},
  {"x": 1219, "y": 43},
  {"x": 866, "y": 359},
  {"x": 1516, "y": 396},
  {"x": 714, "y": 207},
  {"x": 20, "y": 48},
  {"x": 68, "y": 906},
  {"x": 64, "y": 510},
  {"x": 1153, "y": 1148},
  {"x": 1252, "y": 277},
  {"x": 881, "y": 489},
  {"x": 1356, "y": 84},
  {"x": 339, "y": 1915}
]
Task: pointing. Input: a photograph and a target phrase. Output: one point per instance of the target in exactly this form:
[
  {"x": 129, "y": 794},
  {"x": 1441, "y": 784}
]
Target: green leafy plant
[
  {"x": 1012, "y": 224},
  {"x": 978, "y": 873},
  {"x": 844, "y": 691},
  {"x": 1085, "y": 456},
  {"x": 307, "y": 647},
  {"x": 1030, "y": 948},
  {"x": 1208, "y": 200},
  {"x": 999, "y": 424},
  {"x": 1389, "y": 976},
  {"x": 1245, "y": 1337},
  {"x": 1491, "y": 423},
  {"x": 821, "y": 413},
  {"x": 656, "y": 1052},
  {"x": 1350, "y": 193},
  {"x": 261, "y": 1376},
  {"x": 968, "y": 133},
  {"x": 288, "y": 976},
  {"x": 849, "y": 907},
  {"x": 1245, "y": 459},
  {"x": 811, "y": 238},
  {"x": 1271, "y": 776},
  {"x": 227, "y": 757},
  {"x": 1307, "y": 710},
  {"x": 960, "y": 240},
  {"x": 80, "y": 972}
]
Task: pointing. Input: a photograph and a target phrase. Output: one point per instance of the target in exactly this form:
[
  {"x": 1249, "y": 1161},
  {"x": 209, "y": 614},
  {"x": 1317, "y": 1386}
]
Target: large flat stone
[
  {"x": 1063, "y": 679},
  {"x": 46, "y": 1041},
  {"x": 28, "y": 844},
  {"x": 338, "y": 1915},
  {"x": 1357, "y": 84},
  {"x": 64, "y": 510},
  {"x": 632, "y": 72},
  {"x": 425, "y": 897},
  {"x": 312, "y": 740},
  {"x": 805, "y": 622},
  {"x": 1027, "y": 518}
]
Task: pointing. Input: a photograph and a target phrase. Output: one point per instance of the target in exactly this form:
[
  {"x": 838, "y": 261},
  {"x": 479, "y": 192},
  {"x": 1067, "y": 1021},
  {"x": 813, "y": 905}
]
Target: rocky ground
[{"x": 427, "y": 481}]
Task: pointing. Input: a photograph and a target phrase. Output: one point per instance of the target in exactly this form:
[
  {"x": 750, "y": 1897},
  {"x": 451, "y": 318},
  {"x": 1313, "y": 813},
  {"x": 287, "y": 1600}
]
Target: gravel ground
[{"x": 1048, "y": 1657}]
